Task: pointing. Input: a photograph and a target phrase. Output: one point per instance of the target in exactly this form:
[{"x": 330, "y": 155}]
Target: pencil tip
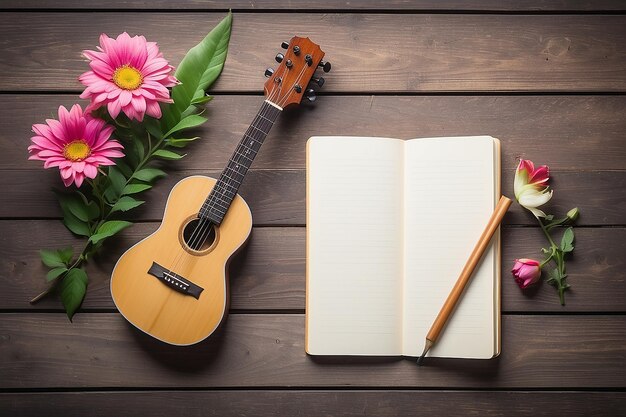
[{"x": 427, "y": 347}]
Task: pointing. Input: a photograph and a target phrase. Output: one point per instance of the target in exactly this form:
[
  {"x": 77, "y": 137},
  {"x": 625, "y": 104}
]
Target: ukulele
[{"x": 173, "y": 285}]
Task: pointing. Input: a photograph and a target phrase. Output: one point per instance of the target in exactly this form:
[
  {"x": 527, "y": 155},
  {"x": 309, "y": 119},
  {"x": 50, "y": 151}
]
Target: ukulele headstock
[{"x": 289, "y": 83}]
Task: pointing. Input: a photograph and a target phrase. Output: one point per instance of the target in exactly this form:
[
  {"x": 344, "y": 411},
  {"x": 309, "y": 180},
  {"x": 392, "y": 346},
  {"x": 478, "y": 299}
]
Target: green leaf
[
  {"x": 567, "y": 241},
  {"x": 135, "y": 188},
  {"x": 75, "y": 225},
  {"x": 153, "y": 127},
  {"x": 117, "y": 180},
  {"x": 187, "y": 123},
  {"x": 124, "y": 168},
  {"x": 149, "y": 174},
  {"x": 162, "y": 153},
  {"x": 93, "y": 211},
  {"x": 555, "y": 277},
  {"x": 198, "y": 100},
  {"x": 66, "y": 254},
  {"x": 78, "y": 208},
  {"x": 108, "y": 229},
  {"x": 91, "y": 207},
  {"x": 55, "y": 273},
  {"x": 139, "y": 148},
  {"x": 180, "y": 143},
  {"x": 73, "y": 288},
  {"x": 51, "y": 258},
  {"x": 126, "y": 203},
  {"x": 198, "y": 70}
]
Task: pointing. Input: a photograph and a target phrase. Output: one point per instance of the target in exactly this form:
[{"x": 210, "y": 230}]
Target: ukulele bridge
[{"x": 175, "y": 281}]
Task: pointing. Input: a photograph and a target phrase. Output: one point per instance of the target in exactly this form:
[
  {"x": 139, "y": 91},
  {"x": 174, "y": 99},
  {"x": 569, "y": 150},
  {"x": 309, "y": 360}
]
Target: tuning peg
[
  {"x": 310, "y": 94},
  {"x": 269, "y": 72},
  {"x": 319, "y": 81},
  {"x": 308, "y": 59},
  {"x": 296, "y": 50},
  {"x": 325, "y": 66},
  {"x": 284, "y": 45},
  {"x": 279, "y": 57}
]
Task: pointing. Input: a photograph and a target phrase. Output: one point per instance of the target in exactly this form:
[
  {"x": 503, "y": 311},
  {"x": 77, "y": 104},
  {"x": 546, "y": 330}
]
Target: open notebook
[{"x": 390, "y": 224}]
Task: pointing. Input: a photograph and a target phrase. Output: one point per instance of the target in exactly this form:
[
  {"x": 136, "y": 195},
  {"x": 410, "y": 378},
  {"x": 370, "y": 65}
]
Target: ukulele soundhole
[{"x": 199, "y": 235}]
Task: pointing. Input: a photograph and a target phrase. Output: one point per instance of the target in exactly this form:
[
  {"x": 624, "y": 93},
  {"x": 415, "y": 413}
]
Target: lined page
[
  {"x": 354, "y": 246},
  {"x": 450, "y": 192}
]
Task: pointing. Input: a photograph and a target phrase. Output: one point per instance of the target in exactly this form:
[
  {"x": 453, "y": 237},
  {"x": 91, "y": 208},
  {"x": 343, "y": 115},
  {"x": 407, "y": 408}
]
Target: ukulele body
[{"x": 154, "y": 302}]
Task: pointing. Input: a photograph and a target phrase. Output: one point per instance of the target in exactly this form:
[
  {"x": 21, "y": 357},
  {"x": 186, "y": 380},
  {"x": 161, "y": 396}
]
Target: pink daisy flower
[
  {"x": 129, "y": 75},
  {"x": 76, "y": 143}
]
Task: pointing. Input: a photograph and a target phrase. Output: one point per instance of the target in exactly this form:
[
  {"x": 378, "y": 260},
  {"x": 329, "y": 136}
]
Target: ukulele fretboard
[{"x": 216, "y": 205}]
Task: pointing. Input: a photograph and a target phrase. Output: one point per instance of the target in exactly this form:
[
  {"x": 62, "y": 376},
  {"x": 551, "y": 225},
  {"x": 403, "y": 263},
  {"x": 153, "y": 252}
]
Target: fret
[
  {"x": 249, "y": 159},
  {"x": 224, "y": 184},
  {"x": 216, "y": 198},
  {"x": 222, "y": 210},
  {"x": 238, "y": 168},
  {"x": 217, "y": 203},
  {"x": 253, "y": 144},
  {"x": 222, "y": 199},
  {"x": 223, "y": 193},
  {"x": 259, "y": 129},
  {"x": 233, "y": 172},
  {"x": 237, "y": 163},
  {"x": 262, "y": 117}
]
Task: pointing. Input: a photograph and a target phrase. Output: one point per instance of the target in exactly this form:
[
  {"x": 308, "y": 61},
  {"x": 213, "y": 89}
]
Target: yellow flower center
[
  {"x": 76, "y": 150},
  {"x": 127, "y": 77}
]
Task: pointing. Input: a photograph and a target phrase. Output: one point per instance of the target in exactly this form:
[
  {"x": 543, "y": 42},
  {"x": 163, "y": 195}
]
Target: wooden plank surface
[
  {"x": 323, "y": 5},
  {"x": 576, "y": 132},
  {"x": 277, "y": 197},
  {"x": 314, "y": 403},
  {"x": 269, "y": 274},
  {"x": 267, "y": 350},
  {"x": 400, "y": 69},
  {"x": 370, "y": 52}
]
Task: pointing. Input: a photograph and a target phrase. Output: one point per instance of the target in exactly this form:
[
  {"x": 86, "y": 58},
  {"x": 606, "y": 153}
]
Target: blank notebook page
[
  {"x": 354, "y": 234},
  {"x": 450, "y": 193}
]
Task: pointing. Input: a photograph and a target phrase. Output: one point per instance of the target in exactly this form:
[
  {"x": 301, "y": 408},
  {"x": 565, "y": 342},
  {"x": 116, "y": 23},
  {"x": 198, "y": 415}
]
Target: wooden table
[{"x": 547, "y": 78}]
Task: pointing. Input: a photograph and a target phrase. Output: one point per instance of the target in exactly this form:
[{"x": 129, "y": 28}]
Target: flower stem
[{"x": 545, "y": 232}]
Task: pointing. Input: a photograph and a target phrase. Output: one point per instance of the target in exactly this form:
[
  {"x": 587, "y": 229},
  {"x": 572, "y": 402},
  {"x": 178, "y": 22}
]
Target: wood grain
[
  {"x": 266, "y": 350},
  {"x": 314, "y": 403},
  {"x": 370, "y": 52},
  {"x": 565, "y": 132},
  {"x": 277, "y": 197},
  {"x": 269, "y": 273},
  {"x": 388, "y": 5}
]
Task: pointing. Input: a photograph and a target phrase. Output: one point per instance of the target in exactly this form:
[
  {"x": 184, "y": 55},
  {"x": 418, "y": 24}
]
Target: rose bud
[
  {"x": 573, "y": 214},
  {"x": 531, "y": 186},
  {"x": 526, "y": 272}
]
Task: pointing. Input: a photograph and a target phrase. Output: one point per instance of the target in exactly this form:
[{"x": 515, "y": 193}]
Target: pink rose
[{"x": 526, "y": 272}]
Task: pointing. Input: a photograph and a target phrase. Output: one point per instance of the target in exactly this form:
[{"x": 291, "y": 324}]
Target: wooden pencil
[{"x": 466, "y": 274}]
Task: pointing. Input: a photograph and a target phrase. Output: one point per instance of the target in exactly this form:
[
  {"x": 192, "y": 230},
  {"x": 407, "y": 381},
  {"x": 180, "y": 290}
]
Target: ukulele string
[
  {"x": 203, "y": 229},
  {"x": 203, "y": 235}
]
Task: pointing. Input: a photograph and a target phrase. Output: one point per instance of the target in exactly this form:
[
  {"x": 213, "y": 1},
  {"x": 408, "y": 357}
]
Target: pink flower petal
[
  {"x": 90, "y": 171},
  {"x": 114, "y": 108},
  {"x": 125, "y": 97},
  {"x": 153, "y": 109}
]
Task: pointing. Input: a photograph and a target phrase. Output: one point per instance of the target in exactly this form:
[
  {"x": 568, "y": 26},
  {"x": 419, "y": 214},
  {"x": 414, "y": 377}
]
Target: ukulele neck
[{"x": 217, "y": 203}]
